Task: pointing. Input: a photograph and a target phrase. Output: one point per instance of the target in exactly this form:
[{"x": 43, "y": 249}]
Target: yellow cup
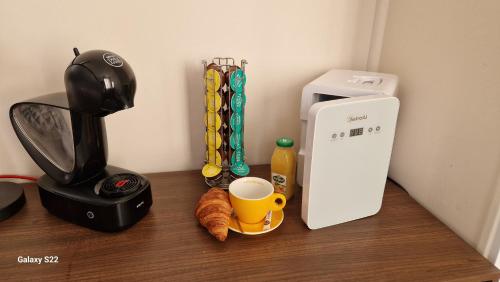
[{"x": 252, "y": 198}]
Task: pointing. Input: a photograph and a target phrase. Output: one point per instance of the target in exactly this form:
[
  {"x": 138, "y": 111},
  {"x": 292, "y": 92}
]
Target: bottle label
[{"x": 279, "y": 182}]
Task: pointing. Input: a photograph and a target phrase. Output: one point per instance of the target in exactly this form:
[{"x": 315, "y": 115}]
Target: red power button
[{"x": 121, "y": 183}]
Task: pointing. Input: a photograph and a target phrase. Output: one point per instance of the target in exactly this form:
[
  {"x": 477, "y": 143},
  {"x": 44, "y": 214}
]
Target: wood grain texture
[{"x": 403, "y": 242}]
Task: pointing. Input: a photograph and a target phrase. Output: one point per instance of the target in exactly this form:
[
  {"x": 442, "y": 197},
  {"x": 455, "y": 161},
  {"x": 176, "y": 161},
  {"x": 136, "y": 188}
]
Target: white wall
[
  {"x": 447, "y": 148},
  {"x": 287, "y": 44}
]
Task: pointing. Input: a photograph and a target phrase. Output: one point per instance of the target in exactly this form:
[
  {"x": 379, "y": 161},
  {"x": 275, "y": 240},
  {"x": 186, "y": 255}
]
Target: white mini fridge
[{"x": 348, "y": 122}]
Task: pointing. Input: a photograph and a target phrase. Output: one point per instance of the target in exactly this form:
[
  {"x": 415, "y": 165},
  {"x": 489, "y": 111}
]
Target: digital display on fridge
[{"x": 356, "y": 132}]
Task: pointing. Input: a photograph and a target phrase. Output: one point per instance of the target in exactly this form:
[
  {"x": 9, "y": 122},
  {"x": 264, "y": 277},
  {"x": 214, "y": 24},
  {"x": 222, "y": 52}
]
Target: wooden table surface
[{"x": 403, "y": 242}]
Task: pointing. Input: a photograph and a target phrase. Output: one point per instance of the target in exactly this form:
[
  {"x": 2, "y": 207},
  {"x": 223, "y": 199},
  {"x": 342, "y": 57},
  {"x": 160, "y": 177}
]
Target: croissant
[{"x": 214, "y": 211}]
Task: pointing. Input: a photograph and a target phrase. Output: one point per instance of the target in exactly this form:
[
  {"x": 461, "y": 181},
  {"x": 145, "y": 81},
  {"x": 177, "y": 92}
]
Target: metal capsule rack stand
[{"x": 225, "y": 98}]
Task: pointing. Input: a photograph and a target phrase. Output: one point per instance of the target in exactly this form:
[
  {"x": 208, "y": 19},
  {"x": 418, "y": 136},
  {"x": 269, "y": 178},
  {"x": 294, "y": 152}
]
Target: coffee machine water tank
[{"x": 348, "y": 122}]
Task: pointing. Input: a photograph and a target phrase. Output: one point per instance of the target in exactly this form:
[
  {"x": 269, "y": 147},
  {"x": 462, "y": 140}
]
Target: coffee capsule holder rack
[{"x": 225, "y": 98}]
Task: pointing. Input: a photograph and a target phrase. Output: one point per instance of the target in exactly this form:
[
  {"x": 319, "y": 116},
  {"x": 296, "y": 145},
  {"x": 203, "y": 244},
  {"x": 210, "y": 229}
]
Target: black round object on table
[{"x": 11, "y": 199}]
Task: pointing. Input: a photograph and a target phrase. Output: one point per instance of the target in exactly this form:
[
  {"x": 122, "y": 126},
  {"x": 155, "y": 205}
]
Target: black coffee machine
[{"x": 65, "y": 135}]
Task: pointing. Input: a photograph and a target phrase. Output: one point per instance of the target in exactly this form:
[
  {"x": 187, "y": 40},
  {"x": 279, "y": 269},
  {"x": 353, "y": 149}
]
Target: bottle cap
[{"x": 284, "y": 142}]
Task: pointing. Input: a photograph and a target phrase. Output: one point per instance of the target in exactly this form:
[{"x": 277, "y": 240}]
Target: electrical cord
[{"x": 14, "y": 176}]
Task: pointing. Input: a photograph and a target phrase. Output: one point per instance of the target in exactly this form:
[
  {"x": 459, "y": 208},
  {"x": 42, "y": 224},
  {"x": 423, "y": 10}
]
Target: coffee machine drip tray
[{"x": 111, "y": 202}]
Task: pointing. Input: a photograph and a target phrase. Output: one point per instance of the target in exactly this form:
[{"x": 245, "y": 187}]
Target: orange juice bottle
[{"x": 283, "y": 167}]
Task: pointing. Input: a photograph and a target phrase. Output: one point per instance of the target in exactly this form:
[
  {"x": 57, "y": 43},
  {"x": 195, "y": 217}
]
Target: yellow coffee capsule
[
  {"x": 212, "y": 80},
  {"x": 210, "y": 157},
  {"x": 213, "y": 101},
  {"x": 213, "y": 138},
  {"x": 212, "y": 121},
  {"x": 210, "y": 170}
]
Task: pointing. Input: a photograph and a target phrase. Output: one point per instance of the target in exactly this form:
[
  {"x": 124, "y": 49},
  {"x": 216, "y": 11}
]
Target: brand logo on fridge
[
  {"x": 357, "y": 118},
  {"x": 112, "y": 60}
]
